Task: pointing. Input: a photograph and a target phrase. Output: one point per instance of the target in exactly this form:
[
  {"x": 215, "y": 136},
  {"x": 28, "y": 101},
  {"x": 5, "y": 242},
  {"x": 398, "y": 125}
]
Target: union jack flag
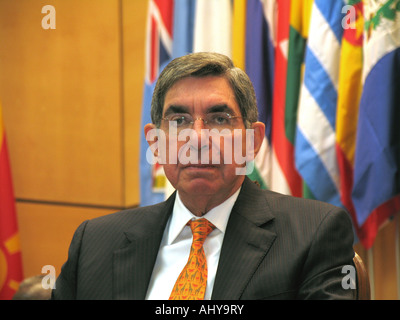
[
  {"x": 158, "y": 54},
  {"x": 159, "y": 37}
]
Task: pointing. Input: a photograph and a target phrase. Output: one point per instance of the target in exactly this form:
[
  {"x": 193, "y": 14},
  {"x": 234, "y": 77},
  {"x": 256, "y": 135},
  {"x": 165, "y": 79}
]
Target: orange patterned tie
[{"x": 191, "y": 283}]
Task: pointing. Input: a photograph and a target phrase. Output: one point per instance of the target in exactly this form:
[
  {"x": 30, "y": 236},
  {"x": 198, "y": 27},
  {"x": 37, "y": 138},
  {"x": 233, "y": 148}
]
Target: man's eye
[
  {"x": 179, "y": 119},
  {"x": 220, "y": 118}
]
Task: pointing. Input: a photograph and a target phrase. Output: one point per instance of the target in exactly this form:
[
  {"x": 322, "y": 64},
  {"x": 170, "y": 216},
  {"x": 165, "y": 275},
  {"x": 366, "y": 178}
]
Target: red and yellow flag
[
  {"x": 10, "y": 253},
  {"x": 350, "y": 88}
]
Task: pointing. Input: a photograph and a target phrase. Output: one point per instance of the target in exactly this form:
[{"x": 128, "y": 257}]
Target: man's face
[{"x": 200, "y": 166}]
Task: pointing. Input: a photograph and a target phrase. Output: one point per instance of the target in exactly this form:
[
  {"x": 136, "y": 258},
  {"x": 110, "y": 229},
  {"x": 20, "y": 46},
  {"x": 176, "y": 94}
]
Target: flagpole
[{"x": 370, "y": 258}]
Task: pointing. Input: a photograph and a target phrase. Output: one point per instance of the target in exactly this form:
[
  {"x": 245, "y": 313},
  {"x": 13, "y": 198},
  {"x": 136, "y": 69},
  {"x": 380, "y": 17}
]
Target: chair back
[{"x": 363, "y": 291}]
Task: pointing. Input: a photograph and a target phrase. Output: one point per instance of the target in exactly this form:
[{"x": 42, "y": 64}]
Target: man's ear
[
  {"x": 151, "y": 137},
  {"x": 259, "y": 134}
]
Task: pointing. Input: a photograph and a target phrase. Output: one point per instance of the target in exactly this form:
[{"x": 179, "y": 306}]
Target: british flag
[
  {"x": 159, "y": 37},
  {"x": 158, "y": 54}
]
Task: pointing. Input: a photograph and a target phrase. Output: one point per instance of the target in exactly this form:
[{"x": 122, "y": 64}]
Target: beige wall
[
  {"x": 71, "y": 102},
  {"x": 72, "y": 106}
]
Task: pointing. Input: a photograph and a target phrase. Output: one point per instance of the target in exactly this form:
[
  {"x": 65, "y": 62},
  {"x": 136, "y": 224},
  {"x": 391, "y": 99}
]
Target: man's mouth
[{"x": 199, "y": 166}]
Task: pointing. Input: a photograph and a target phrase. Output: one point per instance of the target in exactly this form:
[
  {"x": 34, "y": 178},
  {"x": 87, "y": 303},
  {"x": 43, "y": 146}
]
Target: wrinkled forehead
[{"x": 193, "y": 94}]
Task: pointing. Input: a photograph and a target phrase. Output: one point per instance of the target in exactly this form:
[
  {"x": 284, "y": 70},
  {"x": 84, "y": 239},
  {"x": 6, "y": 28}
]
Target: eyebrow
[
  {"x": 172, "y": 109},
  {"x": 176, "y": 109},
  {"x": 221, "y": 108}
]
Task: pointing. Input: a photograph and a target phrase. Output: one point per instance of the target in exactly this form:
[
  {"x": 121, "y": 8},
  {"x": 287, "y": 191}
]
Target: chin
[{"x": 201, "y": 186}]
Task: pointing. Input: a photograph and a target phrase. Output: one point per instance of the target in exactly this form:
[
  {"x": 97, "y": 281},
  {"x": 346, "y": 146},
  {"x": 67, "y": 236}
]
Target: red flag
[{"x": 10, "y": 253}]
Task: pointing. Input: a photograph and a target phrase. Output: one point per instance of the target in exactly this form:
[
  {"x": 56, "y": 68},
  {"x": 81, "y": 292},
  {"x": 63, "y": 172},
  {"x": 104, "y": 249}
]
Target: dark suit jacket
[{"x": 275, "y": 247}]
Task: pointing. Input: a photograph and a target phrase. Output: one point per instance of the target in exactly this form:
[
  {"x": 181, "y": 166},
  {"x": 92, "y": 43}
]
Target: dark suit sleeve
[
  {"x": 331, "y": 249},
  {"x": 65, "y": 288}
]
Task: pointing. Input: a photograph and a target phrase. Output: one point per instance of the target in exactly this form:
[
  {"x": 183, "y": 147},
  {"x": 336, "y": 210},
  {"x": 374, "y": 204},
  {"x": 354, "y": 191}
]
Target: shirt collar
[{"x": 218, "y": 216}]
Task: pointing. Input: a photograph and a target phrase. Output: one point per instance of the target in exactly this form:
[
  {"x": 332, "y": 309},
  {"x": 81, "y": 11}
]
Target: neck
[{"x": 199, "y": 205}]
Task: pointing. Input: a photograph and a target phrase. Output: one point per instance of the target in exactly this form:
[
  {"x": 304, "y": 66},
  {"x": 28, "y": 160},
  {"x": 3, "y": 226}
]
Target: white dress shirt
[{"x": 175, "y": 247}]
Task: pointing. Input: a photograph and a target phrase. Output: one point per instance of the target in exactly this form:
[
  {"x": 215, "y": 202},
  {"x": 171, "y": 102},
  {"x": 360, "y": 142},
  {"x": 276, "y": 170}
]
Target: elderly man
[{"x": 219, "y": 236}]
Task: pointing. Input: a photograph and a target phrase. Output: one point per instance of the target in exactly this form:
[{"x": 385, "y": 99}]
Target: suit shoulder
[
  {"x": 279, "y": 200},
  {"x": 296, "y": 208},
  {"x": 305, "y": 221},
  {"x": 121, "y": 220},
  {"x": 285, "y": 209},
  {"x": 126, "y": 215}
]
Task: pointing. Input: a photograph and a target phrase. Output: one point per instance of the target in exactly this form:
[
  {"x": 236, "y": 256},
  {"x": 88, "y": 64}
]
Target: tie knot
[{"x": 201, "y": 228}]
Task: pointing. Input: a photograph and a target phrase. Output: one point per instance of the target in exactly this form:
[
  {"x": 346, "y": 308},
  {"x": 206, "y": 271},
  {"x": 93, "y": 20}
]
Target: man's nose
[
  {"x": 198, "y": 124},
  {"x": 201, "y": 136}
]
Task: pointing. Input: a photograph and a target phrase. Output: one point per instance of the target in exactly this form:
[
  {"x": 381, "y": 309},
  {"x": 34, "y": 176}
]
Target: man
[{"x": 261, "y": 245}]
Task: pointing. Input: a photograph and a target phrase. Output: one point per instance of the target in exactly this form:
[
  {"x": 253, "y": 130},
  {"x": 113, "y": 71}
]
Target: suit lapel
[
  {"x": 133, "y": 264},
  {"x": 249, "y": 235}
]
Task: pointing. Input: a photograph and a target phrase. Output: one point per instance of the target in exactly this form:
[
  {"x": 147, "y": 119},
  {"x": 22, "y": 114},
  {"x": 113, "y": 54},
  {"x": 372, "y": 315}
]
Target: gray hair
[{"x": 204, "y": 64}]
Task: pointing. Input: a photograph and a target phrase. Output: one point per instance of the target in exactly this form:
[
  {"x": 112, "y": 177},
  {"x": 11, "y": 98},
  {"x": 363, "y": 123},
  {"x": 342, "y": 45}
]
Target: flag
[
  {"x": 239, "y": 33},
  {"x": 10, "y": 252},
  {"x": 275, "y": 38},
  {"x": 287, "y": 180},
  {"x": 183, "y": 25},
  {"x": 260, "y": 41},
  {"x": 283, "y": 113},
  {"x": 376, "y": 189},
  {"x": 315, "y": 145},
  {"x": 158, "y": 53},
  {"x": 349, "y": 94},
  {"x": 300, "y": 12},
  {"x": 213, "y": 26}
]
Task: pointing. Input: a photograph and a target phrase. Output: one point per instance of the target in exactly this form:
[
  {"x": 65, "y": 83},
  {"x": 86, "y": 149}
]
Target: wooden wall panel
[
  {"x": 61, "y": 94},
  {"x": 134, "y": 19},
  {"x": 46, "y": 232},
  {"x": 72, "y": 100}
]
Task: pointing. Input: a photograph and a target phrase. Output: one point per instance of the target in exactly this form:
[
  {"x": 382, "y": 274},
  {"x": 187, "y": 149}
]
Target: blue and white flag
[{"x": 315, "y": 147}]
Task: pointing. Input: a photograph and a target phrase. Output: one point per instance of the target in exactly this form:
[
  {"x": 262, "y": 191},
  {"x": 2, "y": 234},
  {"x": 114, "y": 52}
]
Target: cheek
[
  {"x": 168, "y": 149},
  {"x": 238, "y": 147},
  {"x": 229, "y": 148}
]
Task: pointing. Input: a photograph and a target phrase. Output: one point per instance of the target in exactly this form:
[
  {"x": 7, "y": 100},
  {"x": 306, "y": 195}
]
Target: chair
[{"x": 363, "y": 291}]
